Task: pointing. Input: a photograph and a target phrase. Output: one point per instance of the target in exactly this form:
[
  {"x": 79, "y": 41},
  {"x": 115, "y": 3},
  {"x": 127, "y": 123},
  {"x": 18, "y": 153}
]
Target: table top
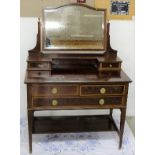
[{"x": 79, "y": 78}]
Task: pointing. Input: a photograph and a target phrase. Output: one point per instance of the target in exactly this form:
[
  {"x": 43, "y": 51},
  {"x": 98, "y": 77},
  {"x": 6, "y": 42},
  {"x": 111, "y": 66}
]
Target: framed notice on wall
[{"x": 117, "y": 9}]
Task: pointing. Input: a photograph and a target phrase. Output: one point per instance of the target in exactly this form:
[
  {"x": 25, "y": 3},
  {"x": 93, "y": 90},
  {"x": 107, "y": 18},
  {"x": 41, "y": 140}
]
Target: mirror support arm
[{"x": 109, "y": 50}]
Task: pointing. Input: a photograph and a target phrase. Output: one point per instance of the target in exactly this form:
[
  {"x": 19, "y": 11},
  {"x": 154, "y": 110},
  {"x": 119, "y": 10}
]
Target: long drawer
[
  {"x": 89, "y": 90},
  {"x": 55, "y": 90},
  {"x": 53, "y": 102}
]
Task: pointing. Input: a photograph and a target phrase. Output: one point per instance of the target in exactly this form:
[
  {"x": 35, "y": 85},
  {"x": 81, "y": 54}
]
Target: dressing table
[{"x": 73, "y": 67}]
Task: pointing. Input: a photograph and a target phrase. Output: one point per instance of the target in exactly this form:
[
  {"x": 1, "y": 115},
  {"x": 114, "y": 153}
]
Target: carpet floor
[{"x": 85, "y": 143}]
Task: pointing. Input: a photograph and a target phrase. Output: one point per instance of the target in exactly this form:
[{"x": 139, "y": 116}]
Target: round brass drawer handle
[
  {"x": 102, "y": 90},
  {"x": 54, "y": 90},
  {"x": 54, "y": 102},
  {"x": 101, "y": 101},
  {"x": 110, "y": 66}
]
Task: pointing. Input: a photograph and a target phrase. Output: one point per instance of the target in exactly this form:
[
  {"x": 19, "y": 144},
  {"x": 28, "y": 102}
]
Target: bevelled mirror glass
[{"x": 74, "y": 27}]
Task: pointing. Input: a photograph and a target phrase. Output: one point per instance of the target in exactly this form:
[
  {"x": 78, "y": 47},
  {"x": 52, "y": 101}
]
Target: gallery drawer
[
  {"x": 87, "y": 90},
  {"x": 38, "y": 65},
  {"x": 54, "y": 90},
  {"x": 81, "y": 102},
  {"x": 39, "y": 74},
  {"x": 111, "y": 65}
]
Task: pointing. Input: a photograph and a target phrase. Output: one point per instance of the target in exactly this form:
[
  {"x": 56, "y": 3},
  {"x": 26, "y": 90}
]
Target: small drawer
[
  {"x": 54, "y": 90},
  {"x": 37, "y": 65},
  {"x": 76, "y": 102},
  {"x": 110, "y": 65},
  {"x": 87, "y": 90},
  {"x": 38, "y": 73}
]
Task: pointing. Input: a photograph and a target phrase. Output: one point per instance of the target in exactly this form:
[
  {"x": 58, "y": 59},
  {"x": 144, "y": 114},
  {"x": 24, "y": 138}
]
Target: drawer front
[
  {"x": 76, "y": 102},
  {"x": 102, "y": 90},
  {"x": 110, "y": 65},
  {"x": 51, "y": 90},
  {"x": 38, "y": 73},
  {"x": 37, "y": 65}
]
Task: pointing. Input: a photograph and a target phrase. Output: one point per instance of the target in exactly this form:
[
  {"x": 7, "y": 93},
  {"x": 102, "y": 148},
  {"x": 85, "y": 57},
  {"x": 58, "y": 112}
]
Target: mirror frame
[{"x": 73, "y": 51}]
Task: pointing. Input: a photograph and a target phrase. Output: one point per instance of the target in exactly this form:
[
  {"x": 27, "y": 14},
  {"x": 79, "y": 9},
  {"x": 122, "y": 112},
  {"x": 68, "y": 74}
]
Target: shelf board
[{"x": 63, "y": 124}]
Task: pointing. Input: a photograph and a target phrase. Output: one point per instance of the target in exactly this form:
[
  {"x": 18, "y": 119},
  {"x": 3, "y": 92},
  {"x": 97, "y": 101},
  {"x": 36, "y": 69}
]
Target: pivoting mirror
[{"x": 74, "y": 27}]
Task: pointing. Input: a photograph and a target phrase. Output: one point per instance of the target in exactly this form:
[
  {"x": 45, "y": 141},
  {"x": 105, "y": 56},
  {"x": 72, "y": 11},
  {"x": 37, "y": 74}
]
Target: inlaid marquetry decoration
[{"x": 117, "y": 9}]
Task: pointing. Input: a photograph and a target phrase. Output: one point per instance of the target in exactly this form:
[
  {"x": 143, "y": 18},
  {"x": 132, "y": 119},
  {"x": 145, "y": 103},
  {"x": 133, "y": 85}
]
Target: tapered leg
[
  {"x": 30, "y": 123},
  {"x": 110, "y": 120},
  {"x": 111, "y": 111},
  {"x": 122, "y": 122}
]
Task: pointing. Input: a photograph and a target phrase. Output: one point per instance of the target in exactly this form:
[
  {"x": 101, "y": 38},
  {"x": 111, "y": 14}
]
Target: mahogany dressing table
[{"x": 74, "y": 67}]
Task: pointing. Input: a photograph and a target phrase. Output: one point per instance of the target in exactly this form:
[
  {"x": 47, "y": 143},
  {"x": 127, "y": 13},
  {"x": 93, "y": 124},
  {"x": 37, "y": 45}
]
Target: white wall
[
  {"x": 122, "y": 39},
  {"x": 28, "y": 30}
]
